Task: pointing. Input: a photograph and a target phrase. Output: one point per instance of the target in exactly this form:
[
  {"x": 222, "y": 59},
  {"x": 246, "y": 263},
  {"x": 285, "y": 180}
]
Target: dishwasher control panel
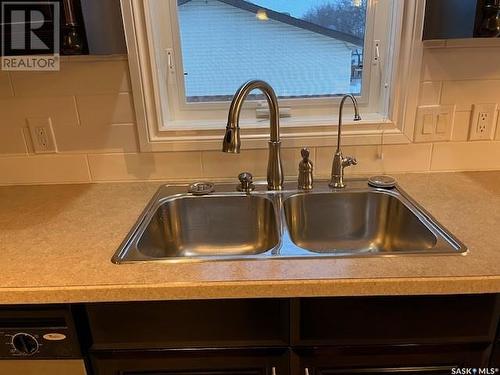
[{"x": 37, "y": 333}]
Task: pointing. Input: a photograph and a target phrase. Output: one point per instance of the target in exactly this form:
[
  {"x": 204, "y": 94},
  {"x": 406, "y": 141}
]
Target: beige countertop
[{"x": 56, "y": 243}]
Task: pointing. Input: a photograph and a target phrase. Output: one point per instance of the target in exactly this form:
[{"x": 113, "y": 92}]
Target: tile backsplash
[{"x": 89, "y": 103}]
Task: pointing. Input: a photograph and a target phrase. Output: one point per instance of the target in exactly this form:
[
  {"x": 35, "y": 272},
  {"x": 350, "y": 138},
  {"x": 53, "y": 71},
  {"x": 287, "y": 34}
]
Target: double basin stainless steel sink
[{"x": 227, "y": 225}]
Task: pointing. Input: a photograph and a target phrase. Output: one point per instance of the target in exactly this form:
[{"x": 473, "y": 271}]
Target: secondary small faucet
[
  {"x": 232, "y": 141},
  {"x": 339, "y": 161}
]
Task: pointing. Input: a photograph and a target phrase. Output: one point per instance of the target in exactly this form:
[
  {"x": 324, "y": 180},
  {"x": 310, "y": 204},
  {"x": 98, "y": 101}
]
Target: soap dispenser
[{"x": 305, "y": 171}]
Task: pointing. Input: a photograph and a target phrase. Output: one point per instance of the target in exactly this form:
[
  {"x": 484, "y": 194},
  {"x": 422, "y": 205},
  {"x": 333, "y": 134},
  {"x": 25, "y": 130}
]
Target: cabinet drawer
[
  {"x": 189, "y": 324},
  {"x": 192, "y": 362},
  {"x": 393, "y": 320}
]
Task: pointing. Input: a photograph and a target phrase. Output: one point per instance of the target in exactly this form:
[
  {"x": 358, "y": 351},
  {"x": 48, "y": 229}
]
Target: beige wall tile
[
  {"x": 461, "y": 126},
  {"x": 217, "y": 164},
  {"x": 430, "y": 93},
  {"x": 466, "y": 156},
  {"x": 465, "y": 93},
  {"x": 97, "y": 138},
  {"x": 15, "y": 111},
  {"x": 396, "y": 158},
  {"x": 450, "y": 64},
  {"x": 12, "y": 140},
  {"x": 220, "y": 164},
  {"x": 75, "y": 78},
  {"x": 5, "y": 88},
  {"x": 43, "y": 169},
  {"x": 105, "y": 109},
  {"x": 434, "y": 43},
  {"x": 497, "y": 137},
  {"x": 168, "y": 165}
]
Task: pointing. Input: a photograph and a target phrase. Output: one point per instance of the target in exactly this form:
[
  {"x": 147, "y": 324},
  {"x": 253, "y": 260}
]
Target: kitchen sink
[
  {"x": 355, "y": 222},
  {"x": 359, "y": 220},
  {"x": 210, "y": 225}
]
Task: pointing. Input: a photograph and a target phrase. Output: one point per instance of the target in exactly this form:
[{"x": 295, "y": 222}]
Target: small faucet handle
[
  {"x": 305, "y": 154},
  {"x": 246, "y": 182},
  {"x": 348, "y": 161}
]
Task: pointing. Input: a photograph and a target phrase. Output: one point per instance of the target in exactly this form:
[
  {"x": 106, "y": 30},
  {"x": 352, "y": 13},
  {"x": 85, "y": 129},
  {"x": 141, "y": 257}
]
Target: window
[
  {"x": 190, "y": 56},
  {"x": 304, "y": 49}
]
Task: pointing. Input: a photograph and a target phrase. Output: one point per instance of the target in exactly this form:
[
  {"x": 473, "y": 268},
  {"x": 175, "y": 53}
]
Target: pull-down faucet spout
[{"x": 232, "y": 142}]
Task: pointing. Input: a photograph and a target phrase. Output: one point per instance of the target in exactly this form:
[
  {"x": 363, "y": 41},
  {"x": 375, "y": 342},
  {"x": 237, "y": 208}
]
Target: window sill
[{"x": 295, "y": 132}]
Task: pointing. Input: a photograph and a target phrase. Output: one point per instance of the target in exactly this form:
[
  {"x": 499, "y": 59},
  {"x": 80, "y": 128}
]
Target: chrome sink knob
[{"x": 246, "y": 182}]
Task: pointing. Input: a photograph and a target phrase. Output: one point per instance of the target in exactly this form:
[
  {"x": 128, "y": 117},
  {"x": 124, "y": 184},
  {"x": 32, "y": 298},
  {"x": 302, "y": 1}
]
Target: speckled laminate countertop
[{"x": 56, "y": 243}]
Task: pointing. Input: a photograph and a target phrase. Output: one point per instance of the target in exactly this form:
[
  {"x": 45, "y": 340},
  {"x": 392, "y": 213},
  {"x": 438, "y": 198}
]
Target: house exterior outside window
[{"x": 225, "y": 43}]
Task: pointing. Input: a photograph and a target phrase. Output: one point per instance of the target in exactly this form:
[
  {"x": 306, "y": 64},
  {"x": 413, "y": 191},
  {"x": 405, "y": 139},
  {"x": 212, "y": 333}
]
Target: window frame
[
  {"x": 201, "y": 132},
  {"x": 294, "y": 103}
]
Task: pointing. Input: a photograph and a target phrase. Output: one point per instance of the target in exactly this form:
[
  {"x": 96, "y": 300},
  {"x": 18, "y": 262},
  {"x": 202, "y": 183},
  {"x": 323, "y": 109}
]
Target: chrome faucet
[
  {"x": 232, "y": 141},
  {"x": 339, "y": 161}
]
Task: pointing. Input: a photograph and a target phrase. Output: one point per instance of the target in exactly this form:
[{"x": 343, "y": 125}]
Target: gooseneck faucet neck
[
  {"x": 232, "y": 141},
  {"x": 357, "y": 117},
  {"x": 339, "y": 161},
  {"x": 240, "y": 96}
]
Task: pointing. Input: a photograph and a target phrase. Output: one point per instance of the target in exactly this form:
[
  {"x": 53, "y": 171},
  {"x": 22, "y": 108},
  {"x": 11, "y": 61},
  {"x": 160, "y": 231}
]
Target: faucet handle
[
  {"x": 348, "y": 161},
  {"x": 304, "y": 153},
  {"x": 246, "y": 182}
]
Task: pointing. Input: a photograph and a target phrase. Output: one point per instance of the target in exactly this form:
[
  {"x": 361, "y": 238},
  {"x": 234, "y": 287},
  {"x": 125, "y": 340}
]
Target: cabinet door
[
  {"x": 411, "y": 359},
  {"x": 192, "y": 362},
  {"x": 381, "y": 371},
  {"x": 495, "y": 356},
  {"x": 387, "y": 320}
]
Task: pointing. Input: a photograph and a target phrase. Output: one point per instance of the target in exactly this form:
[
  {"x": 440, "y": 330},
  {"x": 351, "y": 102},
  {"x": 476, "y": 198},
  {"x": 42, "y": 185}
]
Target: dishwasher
[{"x": 39, "y": 341}]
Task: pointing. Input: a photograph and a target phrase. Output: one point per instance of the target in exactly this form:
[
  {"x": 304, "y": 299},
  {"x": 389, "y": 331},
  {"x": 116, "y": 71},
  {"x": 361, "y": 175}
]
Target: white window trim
[
  {"x": 300, "y": 106},
  {"x": 395, "y": 128}
]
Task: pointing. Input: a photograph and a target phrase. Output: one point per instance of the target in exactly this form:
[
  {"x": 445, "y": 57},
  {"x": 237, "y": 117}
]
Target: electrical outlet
[
  {"x": 42, "y": 135},
  {"x": 483, "y": 122},
  {"x": 434, "y": 123}
]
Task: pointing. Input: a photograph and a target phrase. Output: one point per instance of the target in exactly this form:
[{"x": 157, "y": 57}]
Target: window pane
[{"x": 303, "y": 48}]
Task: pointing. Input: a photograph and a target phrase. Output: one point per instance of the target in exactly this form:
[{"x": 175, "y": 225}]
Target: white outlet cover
[
  {"x": 434, "y": 123},
  {"x": 49, "y": 142},
  {"x": 490, "y": 123}
]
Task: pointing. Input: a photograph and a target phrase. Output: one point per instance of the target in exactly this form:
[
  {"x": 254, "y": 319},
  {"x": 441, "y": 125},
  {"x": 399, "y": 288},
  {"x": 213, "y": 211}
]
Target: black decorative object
[
  {"x": 489, "y": 23},
  {"x": 72, "y": 30}
]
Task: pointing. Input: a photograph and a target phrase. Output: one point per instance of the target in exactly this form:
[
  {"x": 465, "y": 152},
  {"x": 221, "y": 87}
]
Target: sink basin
[
  {"x": 359, "y": 220},
  {"x": 365, "y": 222},
  {"x": 211, "y": 225}
]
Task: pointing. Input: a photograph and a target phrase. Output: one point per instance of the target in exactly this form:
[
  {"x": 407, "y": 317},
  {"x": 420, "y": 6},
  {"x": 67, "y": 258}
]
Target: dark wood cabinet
[
  {"x": 393, "y": 320},
  {"x": 408, "y": 359},
  {"x": 190, "y": 324},
  {"x": 192, "y": 362},
  {"x": 431, "y": 370},
  {"x": 495, "y": 356},
  {"x": 301, "y": 336}
]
